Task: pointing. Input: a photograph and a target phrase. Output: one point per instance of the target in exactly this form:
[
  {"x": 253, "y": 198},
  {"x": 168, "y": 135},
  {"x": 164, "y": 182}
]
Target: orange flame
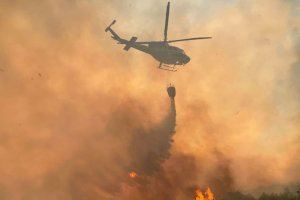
[
  {"x": 133, "y": 174},
  {"x": 199, "y": 195},
  {"x": 207, "y": 195}
]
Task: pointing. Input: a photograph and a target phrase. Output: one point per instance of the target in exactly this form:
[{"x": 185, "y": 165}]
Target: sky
[{"x": 72, "y": 100}]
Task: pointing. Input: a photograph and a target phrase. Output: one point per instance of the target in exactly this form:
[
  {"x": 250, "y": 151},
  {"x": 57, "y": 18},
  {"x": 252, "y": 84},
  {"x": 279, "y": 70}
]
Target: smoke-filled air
[{"x": 81, "y": 118}]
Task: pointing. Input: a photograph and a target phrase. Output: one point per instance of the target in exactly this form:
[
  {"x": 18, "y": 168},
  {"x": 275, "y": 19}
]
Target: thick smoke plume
[
  {"x": 149, "y": 148},
  {"x": 74, "y": 105}
]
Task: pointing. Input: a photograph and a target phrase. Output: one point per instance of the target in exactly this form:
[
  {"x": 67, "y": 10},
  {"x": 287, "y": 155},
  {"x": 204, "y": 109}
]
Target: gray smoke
[
  {"x": 166, "y": 177},
  {"x": 128, "y": 143},
  {"x": 149, "y": 148}
]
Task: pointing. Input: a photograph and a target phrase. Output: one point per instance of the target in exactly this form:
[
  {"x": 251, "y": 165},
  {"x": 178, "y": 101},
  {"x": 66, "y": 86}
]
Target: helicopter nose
[{"x": 186, "y": 59}]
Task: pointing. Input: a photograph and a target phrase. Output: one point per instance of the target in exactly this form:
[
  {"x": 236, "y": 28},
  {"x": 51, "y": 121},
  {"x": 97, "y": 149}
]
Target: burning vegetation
[
  {"x": 207, "y": 195},
  {"x": 133, "y": 174}
]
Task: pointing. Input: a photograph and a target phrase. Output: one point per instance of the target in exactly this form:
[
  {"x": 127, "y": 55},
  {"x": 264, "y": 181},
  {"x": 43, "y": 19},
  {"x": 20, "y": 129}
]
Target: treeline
[{"x": 286, "y": 195}]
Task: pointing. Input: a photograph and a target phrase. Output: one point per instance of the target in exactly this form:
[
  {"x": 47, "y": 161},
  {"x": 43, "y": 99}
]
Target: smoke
[
  {"x": 78, "y": 113},
  {"x": 175, "y": 180},
  {"x": 99, "y": 167},
  {"x": 149, "y": 148}
]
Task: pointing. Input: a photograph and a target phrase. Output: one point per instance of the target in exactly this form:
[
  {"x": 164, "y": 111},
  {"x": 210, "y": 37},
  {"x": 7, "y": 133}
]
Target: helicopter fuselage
[{"x": 164, "y": 53}]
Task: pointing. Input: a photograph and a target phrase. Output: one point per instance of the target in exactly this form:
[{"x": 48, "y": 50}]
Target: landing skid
[{"x": 171, "y": 68}]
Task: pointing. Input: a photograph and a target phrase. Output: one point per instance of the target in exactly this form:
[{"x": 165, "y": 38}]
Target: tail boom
[{"x": 128, "y": 43}]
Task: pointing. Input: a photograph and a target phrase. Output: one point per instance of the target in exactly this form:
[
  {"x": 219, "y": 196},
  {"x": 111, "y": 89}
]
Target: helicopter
[{"x": 168, "y": 56}]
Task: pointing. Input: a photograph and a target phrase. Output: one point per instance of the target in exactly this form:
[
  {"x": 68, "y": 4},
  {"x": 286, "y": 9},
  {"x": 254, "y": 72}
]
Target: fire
[
  {"x": 133, "y": 174},
  {"x": 199, "y": 195},
  {"x": 207, "y": 195}
]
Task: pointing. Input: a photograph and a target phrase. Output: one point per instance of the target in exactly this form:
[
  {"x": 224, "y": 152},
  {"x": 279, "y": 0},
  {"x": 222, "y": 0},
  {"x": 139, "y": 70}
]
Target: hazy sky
[{"x": 71, "y": 97}]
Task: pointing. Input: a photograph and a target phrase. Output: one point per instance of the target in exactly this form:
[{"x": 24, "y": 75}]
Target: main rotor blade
[
  {"x": 171, "y": 41},
  {"x": 187, "y": 39},
  {"x": 167, "y": 23}
]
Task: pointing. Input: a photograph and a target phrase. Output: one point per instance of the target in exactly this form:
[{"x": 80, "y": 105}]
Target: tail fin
[
  {"x": 114, "y": 34},
  {"x": 130, "y": 43},
  {"x": 108, "y": 28}
]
